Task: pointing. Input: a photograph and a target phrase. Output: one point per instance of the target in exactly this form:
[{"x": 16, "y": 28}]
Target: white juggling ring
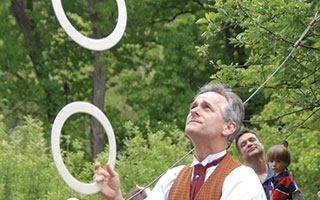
[
  {"x": 89, "y": 43},
  {"x": 63, "y": 115}
]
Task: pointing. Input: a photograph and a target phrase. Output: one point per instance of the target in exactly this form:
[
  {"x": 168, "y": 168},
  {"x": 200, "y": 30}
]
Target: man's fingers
[
  {"x": 97, "y": 166},
  {"x": 100, "y": 174},
  {"x": 100, "y": 178},
  {"x": 110, "y": 170}
]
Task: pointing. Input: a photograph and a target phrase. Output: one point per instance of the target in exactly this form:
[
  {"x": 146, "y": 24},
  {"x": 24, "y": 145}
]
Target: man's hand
[{"x": 111, "y": 190}]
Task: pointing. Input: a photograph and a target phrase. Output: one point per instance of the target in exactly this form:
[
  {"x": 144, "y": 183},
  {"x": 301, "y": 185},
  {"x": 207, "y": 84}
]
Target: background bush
[{"x": 27, "y": 169}]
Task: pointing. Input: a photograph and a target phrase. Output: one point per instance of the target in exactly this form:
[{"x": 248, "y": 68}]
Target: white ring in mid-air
[
  {"x": 89, "y": 43},
  {"x": 63, "y": 115}
]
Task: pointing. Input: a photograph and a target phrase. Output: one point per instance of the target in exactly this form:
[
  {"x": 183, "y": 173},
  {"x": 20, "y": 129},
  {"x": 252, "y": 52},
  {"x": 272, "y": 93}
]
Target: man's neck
[
  {"x": 259, "y": 165},
  {"x": 205, "y": 152},
  {"x": 204, "y": 148}
]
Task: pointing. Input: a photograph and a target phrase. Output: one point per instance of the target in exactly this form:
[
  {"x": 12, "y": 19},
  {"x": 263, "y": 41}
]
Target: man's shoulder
[
  {"x": 244, "y": 168},
  {"x": 244, "y": 182},
  {"x": 174, "y": 171},
  {"x": 244, "y": 171}
]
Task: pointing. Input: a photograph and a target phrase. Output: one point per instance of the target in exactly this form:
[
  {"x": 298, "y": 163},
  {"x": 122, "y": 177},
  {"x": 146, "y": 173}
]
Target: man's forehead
[
  {"x": 247, "y": 136},
  {"x": 212, "y": 97}
]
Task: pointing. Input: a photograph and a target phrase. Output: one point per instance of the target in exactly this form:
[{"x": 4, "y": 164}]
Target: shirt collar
[{"x": 208, "y": 159}]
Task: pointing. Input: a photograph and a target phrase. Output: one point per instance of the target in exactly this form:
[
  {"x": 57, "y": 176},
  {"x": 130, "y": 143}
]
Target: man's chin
[
  {"x": 252, "y": 152},
  {"x": 255, "y": 153},
  {"x": 189, "y": 130}
]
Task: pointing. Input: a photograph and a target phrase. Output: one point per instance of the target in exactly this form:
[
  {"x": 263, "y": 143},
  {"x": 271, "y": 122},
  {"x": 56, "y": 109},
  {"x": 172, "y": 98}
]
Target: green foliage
[
  {"x": 27, "y": 170},
  {"x": 145, "y": 159},
  {"x": 13, "y": 162},
  {"x": 44, "y": 70},
  {"x": 170, "y": 66},
  {"x": 37, "y": 77}
]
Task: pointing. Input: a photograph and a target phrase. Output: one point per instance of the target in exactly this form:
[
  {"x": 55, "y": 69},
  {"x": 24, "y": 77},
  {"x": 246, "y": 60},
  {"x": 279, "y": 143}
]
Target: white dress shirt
[{"x": 241, "y": 183}]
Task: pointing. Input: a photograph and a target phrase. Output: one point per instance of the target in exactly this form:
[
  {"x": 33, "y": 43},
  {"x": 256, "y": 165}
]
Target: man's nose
[
  {"x": 249, "y": 143},
  {"x": 194, "y": 110}
]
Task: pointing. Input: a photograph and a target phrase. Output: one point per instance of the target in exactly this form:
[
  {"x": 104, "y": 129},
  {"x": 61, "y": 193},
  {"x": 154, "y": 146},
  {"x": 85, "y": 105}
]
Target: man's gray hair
[{"x": 233, "y": 110}]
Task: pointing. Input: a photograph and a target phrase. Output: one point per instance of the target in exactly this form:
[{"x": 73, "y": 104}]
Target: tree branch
[
  {"x": 32, "y": 41},
  {"x": 225, "y": 26},
  {"x": 283, "y": 115},
  {"x": 174, "y": 16},
  {"x": 301, "y": 123},
  {"x": 270, "y": 32}
]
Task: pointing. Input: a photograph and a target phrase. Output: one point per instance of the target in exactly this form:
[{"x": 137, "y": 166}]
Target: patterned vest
[{"x": 211, "y": 189}]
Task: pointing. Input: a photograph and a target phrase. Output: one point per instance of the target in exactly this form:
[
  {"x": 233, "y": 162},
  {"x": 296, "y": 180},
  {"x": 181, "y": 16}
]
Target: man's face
[
  {"x": 205, "y": 118},
  {"x": 249, "y": 146}
]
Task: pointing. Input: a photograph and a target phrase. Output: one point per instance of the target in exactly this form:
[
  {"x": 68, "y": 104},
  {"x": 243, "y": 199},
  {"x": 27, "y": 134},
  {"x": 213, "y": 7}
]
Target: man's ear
[{"x": 229, "y": 128}]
